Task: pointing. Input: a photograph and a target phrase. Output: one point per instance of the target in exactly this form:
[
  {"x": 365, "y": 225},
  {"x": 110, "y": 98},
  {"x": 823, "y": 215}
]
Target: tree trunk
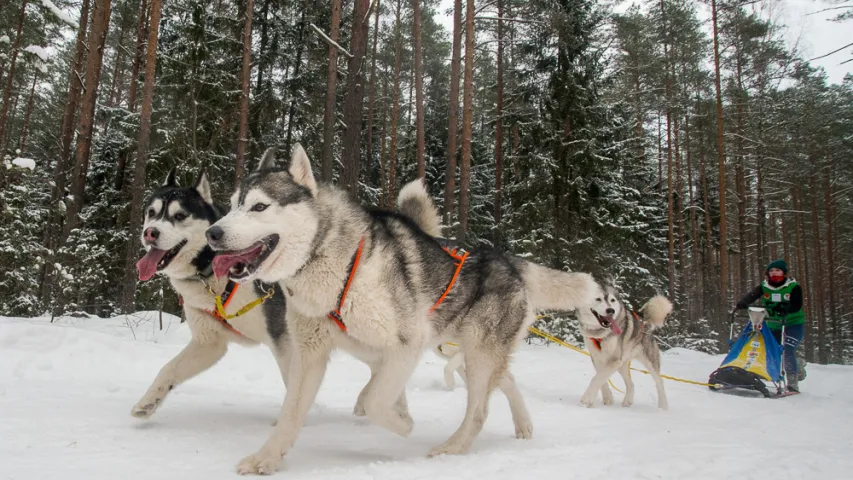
[
  {"x": 817, "y": 278},
  {"x": 830, "y": 262},
  {"x": 331, "y": 82},
  {"x": 129, "y": 283},
  {"x": 246, "y": 77},
  {"x": 803, "y": 266},
  {"x": 419, "y": 88},
  {"x": 54, "y": 228},
  {"x": 395, "y": 110},
  {"x": 499, "y": 131},
  {"x": 97, "y": 37},
  {"x": 697, "y": 272},
  {"x": 10, "y": 77},
  {"x": 721, "y": 161},
  {"x": 467, "y": 123},
  {"x": 383, "y": 161},
  {"x": 299, "y": 50},
  {"x": 121, "y": 165},
  {"x": 26, "y": 127},
  {"x": 354, "y": 100},
  {"x": 453, "y": 115},
  {"x": 371, "y": 102}
]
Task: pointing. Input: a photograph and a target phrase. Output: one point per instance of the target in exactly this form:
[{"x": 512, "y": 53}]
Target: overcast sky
[{"x": 814, "y": 34}]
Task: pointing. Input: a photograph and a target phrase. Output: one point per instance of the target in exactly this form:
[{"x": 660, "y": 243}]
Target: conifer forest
[{"x": 671, "y": 146}]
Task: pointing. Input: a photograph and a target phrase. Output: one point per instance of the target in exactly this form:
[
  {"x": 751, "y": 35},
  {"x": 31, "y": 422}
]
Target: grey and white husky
[
  {"x": 366, "y": 280},
  {"x": 615, "y": 336},
  {"x": 176, "y": 219}
]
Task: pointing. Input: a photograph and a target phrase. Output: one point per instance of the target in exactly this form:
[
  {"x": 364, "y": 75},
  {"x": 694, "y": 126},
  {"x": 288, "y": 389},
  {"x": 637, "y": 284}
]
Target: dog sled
[{"x": 755, "y": 359}]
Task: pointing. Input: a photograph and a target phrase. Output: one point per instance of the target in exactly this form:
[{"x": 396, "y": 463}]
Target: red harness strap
[
  {"x": 335, "y": 315},
  {"x": 596, "y": 342},
  {"x": 460, "y": 255},
  {"x": 230, "y": 290},
  {"x": 641, "y": 322}
]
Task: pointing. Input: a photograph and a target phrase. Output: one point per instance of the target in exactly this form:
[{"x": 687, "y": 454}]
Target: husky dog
[
  {"x": 617, "y": 336},
  {"x": 173, "y": 234},
  {"x": 365, "y": 280}
]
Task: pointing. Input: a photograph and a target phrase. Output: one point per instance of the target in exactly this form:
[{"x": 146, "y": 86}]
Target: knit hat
[{"x": 780, "y": 264}]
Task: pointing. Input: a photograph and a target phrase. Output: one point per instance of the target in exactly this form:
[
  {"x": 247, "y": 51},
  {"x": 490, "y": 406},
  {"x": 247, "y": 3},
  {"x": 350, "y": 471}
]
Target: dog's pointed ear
[
  {"x": 300, "y": 169},
  {"x": 268, "y": 159},
  {"x": 202, "y": 185},
  {"x": 170, "y": 178}
]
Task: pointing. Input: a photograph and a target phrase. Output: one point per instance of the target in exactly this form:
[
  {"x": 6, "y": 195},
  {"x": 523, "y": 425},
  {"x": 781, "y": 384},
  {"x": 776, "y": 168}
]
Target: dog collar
[
  {"x": 596, "y": 342},
  {"x": 222, "y": 301},
  {"x": 335, "y": 315}
]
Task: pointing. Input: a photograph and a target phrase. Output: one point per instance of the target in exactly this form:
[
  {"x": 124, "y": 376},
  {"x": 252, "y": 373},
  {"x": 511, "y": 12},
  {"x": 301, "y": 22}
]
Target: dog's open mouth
[
  {"x": 607, "y": 321},
  {"x": 240, "y": 264},
  {"x": 156, "y": 260}
]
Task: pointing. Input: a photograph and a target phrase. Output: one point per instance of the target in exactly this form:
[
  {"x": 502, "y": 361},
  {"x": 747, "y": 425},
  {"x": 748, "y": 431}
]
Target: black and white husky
[
  {"x": 176, "y": 219},
  {"x": 615, "y": 337},
  {"x": 372, "y": 281}
]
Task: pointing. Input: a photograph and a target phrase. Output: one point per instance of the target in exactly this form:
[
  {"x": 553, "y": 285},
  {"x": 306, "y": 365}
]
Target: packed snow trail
[{"x": 66, "y": 392}]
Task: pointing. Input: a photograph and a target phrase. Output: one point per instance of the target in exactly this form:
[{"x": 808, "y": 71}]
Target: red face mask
[{"x": 777, "y": 278}]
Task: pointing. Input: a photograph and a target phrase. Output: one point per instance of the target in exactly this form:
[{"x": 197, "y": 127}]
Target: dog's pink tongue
[
  {"x": 147, "y": 265},
  {"x": 615, "y": 327},
  {"x": 224, "y": 261}
]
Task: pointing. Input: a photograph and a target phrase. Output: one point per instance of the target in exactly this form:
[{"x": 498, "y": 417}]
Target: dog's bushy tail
[
  {"x": 549, "y": 289},
  {"x": 655, "y": 311},
  {"x": 414, "y": 202}
]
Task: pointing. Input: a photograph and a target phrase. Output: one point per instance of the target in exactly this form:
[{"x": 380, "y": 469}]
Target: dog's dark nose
[
  {"x": 151, "y": 234},
  {"x": 610, "y": 311},
  {"x": 214, "y": 234}
]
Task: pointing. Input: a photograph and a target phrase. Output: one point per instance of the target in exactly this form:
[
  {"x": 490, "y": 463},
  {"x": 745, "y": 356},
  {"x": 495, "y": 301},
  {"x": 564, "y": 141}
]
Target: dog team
[{"x": 304, "y": 269}]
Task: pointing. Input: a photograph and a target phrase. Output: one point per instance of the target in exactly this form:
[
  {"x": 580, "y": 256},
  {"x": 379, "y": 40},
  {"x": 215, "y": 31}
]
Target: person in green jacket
[{"x": 782, "y": 297}]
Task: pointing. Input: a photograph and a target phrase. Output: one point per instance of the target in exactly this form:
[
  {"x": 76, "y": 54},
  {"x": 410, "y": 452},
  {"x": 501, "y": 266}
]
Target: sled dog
[
  {"x": 369, "y": 280},
  {"x": 615, "y": 336},
  {"x": 173, "y": 234}
]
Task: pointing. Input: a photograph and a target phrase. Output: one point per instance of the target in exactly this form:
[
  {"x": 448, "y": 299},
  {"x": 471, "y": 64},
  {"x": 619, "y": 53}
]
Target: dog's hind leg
[
  {"x": 307, "y": 369},
  {"x": 402, "y": 405},
  {"x": 389, "y": 382},
  {"x": 456, "y": 363},
  {"x": 485, "y": 369},
  {"x": 625, "y": 372},
  {"x": 195, "y": 358},
  {"x": 520, "y": 416},
  {"x": 654, "y": 371}
]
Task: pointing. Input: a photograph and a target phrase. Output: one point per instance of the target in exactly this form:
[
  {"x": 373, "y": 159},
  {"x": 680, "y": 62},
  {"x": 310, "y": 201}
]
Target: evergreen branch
[
  {"x": 331, "y": 42},
  {"x": 840, "y": 7}
]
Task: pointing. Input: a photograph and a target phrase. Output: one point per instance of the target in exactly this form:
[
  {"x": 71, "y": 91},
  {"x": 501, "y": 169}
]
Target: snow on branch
[
  {"x": 331, "y": 42},
  {"x": 25, "y": 163},
  {"x": 59, "y": 13},
  {"x": 37, "y": 51},
  {"x": 505, "y": 19}
]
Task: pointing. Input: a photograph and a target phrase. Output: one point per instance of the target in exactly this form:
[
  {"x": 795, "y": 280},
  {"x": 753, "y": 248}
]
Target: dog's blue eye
[
  {"x": 180, "y": 216},
  {"x": 259, "y": 207}
]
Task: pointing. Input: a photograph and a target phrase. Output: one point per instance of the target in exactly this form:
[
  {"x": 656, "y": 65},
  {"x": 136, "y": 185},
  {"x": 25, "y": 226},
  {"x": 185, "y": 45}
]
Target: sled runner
[{"x": 755, "y": 358}]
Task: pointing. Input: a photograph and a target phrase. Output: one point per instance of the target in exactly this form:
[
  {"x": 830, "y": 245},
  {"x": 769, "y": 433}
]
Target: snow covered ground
[{"x": 66, "y": 390}]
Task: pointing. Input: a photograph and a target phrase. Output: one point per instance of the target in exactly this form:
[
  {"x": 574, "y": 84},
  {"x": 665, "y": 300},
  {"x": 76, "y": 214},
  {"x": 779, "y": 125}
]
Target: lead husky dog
[
  {"x": 365, "y": 280},
  {"x": 176, "y": 219},
  {"x": 617, "y": 336}
]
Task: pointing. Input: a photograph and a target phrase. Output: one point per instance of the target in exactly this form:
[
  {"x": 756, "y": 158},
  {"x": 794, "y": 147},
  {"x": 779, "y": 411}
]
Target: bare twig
[
  {"x": 331, "y": 42},
  {"x": 832, "y": 52}
]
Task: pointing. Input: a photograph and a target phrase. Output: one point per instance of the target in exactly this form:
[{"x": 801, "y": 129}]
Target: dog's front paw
[
  {"x": 627, "y": 402},
  {"x": 358, "y": 409},
  {"x": 260, "y": 463},
  {"x": 524, "y": 431},
  {"x": 587, "y": 401},
  {"x": 144, "y": 409},
  {"x": 663, "y": 405},
  {"x": 607, "y": 400},
  {"x": 448, "y": 448}
]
